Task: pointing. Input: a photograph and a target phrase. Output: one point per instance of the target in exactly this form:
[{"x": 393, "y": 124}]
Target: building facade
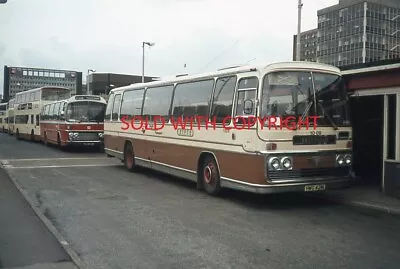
[
  {"x": 374, "y": 90},
  {"x": 357, "y": 31},
  {"x": 102, "y": 83},
  {"x": 308, "y": 40},
  {"x": 17, "y": 79}
]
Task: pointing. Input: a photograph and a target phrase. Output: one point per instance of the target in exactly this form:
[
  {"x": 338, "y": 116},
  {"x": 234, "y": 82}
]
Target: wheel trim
[{"x": 208, "y": 173}]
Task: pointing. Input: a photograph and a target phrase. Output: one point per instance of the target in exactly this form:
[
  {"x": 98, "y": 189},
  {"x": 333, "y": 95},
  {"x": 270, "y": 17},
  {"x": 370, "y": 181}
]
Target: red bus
[{"x": 78, "y": 120}]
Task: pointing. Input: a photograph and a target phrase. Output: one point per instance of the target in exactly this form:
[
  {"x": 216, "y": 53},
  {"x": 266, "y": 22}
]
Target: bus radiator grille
[
  {"x": 88, "y": 136},
  {"x": 309, "y": 173}
]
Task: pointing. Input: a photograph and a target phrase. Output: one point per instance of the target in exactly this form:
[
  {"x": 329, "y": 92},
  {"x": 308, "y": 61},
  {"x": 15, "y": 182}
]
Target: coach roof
[{"x": 231, "y": 71}]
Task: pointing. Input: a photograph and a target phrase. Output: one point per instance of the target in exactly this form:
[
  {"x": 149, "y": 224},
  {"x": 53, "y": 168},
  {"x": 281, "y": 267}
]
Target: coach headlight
[
  {"x": 286, "y": 163},
  {"x": 101, "y": 135},
  {"x": 73, "y": 135},
  {"x": 340, "y": 160},
  {"x": 274, "y": 163},
  {"x": 347, "y": 159}
]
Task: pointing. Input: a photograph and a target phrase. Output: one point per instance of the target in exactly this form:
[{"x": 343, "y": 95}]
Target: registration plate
[{"x": 320, "y": 187}]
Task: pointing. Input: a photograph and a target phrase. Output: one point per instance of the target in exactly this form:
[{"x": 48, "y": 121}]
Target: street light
[
  {"x": 87, "y": 80},
  {"x": 150, "y": 44}
]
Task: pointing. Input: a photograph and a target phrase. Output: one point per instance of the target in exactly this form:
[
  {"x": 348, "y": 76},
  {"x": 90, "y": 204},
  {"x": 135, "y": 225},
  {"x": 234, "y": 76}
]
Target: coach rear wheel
[
  {"x": 210, "y": 176},
  {"x": 129, "y": 158}
]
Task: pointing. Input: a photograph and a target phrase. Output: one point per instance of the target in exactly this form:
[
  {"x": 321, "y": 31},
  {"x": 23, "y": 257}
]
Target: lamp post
[
  {"x": 298, "y": 39},
  {"x": 150, "y": 44},
  {"x": 87, "y": 80}
]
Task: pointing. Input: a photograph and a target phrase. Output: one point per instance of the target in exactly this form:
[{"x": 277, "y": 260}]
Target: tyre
[
  {"x": 211, "y": 180},
  {"x": 45, "y": 139},
  {"x": 129, "y": 158},
  {"x": 59, "y": 141}
]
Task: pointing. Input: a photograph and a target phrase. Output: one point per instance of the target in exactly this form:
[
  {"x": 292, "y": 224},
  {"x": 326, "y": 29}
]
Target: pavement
[
  {"x": 115, "y": 219},
  {"x": 25, "y": 241},
  {"x": 364, "y": 195}
]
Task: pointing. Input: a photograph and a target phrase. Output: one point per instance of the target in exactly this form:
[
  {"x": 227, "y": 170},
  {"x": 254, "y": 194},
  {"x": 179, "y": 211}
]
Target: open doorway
[{"x": 367, "y": 121}]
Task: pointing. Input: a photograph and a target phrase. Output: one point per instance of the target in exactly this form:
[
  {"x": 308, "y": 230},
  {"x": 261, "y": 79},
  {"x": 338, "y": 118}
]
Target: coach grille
[
  {"x": 88, "y": 136},
  {"x": 309, "y": 173},
  {"x": 308, "y": 166}
]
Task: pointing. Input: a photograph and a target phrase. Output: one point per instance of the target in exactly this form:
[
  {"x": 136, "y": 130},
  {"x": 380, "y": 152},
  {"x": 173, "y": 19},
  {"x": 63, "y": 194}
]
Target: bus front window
[
  {"x": 86, "y": 111},
  {"x": 292, "y": 94}
]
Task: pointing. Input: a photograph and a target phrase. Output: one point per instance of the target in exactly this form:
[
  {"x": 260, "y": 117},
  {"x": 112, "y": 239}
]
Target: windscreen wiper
[
  {"x": 329, "y": 117},
  {"x": 309, "y": 105}
]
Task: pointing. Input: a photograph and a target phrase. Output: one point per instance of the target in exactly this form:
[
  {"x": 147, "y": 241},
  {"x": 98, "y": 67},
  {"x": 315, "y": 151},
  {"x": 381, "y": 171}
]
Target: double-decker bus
[
  {"x": 27, "y": 108},
  {"x": 243, "y": 135},
  {"x": 78, "y": 120},
  {"x": 3, "y": 117},
  {"x": 10, "y": 114}
]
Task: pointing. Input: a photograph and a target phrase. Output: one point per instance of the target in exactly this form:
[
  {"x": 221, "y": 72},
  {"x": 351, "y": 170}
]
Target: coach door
[
  {"x": 391, "y": 142},
  {"x": 244, "y": 125}
]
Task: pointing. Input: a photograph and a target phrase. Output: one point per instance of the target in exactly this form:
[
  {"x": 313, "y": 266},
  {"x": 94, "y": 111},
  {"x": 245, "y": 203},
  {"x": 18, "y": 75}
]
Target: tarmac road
[{"x": 116, "y": 219}]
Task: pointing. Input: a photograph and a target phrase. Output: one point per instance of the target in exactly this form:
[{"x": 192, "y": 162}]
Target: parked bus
[
  {"x": 244, "y": 151},
  {"x": 10, "y": 112},
  {"x": 78, "y": 120},
  {"x": 3, "y": 117},
  {"x": 28, "y": 105}
]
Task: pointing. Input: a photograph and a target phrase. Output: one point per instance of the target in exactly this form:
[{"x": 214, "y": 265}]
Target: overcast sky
[{"x": 106, "y": 35}]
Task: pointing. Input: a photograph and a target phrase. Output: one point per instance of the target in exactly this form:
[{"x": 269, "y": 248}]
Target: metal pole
[
  {"x": 298, "y": 50},
  {"x": 143, "y": 62},
  {"x": 87, "y": 82}
]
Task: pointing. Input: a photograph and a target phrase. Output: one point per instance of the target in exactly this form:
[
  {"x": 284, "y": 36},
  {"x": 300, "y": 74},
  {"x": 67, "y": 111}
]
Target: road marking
[
  {"x": 52, "y": 159},
  {"x": 61, "y": 166}
]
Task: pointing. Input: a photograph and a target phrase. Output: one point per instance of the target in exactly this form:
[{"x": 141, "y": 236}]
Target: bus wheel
[
  {"x": 210, "y": 176},
  {"x": 45, "y": 139},
  {"x": 58, "y": 141},
  {"x": 129, "y": 158},
  {"x": 17, "y": 134},
  {"x": 32, "y": 136}
]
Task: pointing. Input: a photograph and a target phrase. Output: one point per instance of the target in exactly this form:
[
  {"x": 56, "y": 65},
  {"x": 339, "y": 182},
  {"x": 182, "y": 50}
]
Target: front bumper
[{"x": 288, "y": 187}]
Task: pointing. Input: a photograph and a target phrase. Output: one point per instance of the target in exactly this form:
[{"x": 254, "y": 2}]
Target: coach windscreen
[
  {"x": 299, "y": 94},
  {"x": 85, "y": 111}
]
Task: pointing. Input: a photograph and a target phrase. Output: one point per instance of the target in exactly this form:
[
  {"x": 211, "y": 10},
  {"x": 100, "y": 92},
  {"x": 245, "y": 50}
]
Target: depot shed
[{"x": 375, "y": 109}]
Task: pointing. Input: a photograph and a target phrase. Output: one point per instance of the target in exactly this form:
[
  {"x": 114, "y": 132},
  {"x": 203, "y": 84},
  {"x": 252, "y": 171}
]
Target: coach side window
[
  {"x": 246, "y": 96},
  {"x": 47, "y": 112},
  {"x": 62, "y": 110},
  {"x": 115, "y": 111},
  {"x": 51, "y": 113},
  {"x": 110, "y": 103},
  {"x": 43, "y": 114},
  {"x": 132, "y": 103},
  {"x": 57, "y": 111},
  {"x": 157, "y": 102},
  {"x": 192, "y": 99},
  {"x": 223, "y": 99}
]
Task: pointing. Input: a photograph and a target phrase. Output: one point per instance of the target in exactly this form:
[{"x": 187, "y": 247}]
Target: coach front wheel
[
  {"x": 129, "y": 158},
  {"x": 45, "y": 139},
  {"x": 210, "y": 176}
]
